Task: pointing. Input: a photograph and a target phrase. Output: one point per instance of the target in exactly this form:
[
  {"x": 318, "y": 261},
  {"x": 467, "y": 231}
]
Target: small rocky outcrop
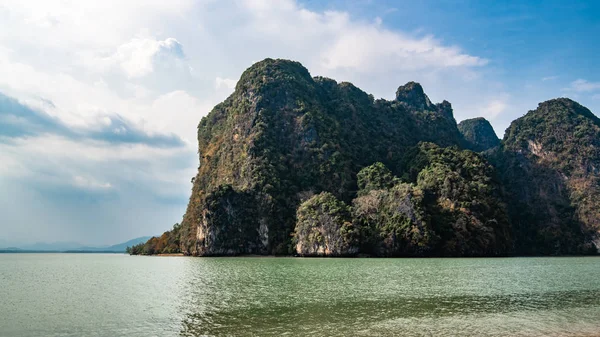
[
  {"x": 392, "y": 222},
  {"x": 447, "y": 204},
  {"x": 412, "y": 94},
  {"x": 324, "y": 228}
]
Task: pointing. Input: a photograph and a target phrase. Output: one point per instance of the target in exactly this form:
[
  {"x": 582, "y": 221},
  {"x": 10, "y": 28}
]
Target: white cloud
[
  {"x": 123, "y": 58},
  {"x": 494, "y": 108},
  {"x": 225, "y": 83},
  {"x": 64, "y": 190},
  {"x": 178, "y": 112},
  {"x": 339, "y": 41},
  {"x": 371, "y": 48},
  {"x": 102, "y": 62},
  {"x": 137, "y": 57},
  {"x": 55, "y": 160},
  {"x": 83, "y": 24},
  {"x": 549, "y": 78},
  {"x": 89, "y": 183},
  {"x": 581, "y": 85}
]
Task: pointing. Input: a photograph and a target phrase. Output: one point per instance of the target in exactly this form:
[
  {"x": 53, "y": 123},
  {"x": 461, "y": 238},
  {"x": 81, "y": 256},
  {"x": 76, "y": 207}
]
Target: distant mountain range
[{"x": 71, "y": 246}]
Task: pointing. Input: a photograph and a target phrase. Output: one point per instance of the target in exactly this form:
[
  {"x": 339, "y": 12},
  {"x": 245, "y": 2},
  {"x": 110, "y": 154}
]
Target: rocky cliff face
[
  {"x": 324, "y": 228},
  {"x": 448, "y": 203},
  {"x": 478, "y": 134},
  {"x": 283, "y": 136},
  {"x": 281, "y": 160},
  {"x": 549, "y": 162}
]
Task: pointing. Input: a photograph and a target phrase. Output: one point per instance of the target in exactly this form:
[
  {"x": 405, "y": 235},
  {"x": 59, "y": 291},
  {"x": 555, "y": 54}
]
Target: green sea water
[{"x": 120, "y": 295}]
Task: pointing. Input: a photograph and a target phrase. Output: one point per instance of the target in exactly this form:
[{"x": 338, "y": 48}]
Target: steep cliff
[
  {"x": 448, "y": 202},
  {"x": 283, "y": 136},
  {"x": 324, "y": 228},
  {"x": 550, "y": 166},
  {"x": 286, "y": 166}
]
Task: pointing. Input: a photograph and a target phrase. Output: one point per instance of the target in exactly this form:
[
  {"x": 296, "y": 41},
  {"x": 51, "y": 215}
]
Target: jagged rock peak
[
  {"x": 413, "y": 95},
  {"x": 273, "y": 70},
  {"x": 478, "y": 134},
  {"x": 282, "y": 138},
  {"x": 563, "y": 104},
  {"x": 560, "y": 100},
  {"x": 445, "y": 108}
]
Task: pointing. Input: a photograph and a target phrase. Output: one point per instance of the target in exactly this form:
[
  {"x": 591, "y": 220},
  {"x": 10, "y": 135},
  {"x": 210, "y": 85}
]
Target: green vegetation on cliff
[
  {"x": 469, "y": 213},
  {"x": 550, "y": 166},
  {"x": 287, "y": 151},
  {"x": 375, "y": 177},
  {"x": 283, "y": 135},
  {"x": 324, "y": 228},
  {"x": 449, "y": 205},
  {"x": 393, "y": 222},
  {"x": 168, "y": 243},
  {"x": 478, "y": 134}
]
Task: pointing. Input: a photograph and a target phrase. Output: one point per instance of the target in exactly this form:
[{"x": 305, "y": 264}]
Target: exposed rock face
[
  {"x": 391, "y": 215},
  {"x": 466, "y": 204},
  {"x": 548, "y": 162},
  {"x": 284, "y": 145},
  {"x": 283, "y": 134},
  {"x": 449, "y": 205},
  {"x": 393, "y": 222},
  {"x": 375, "y": 177},
  {"x": 230, "y": 224},
  {"x": 478, "y": 134},
  {"x": 324, "y": 228},
  {"x": 412, "y": 94}
]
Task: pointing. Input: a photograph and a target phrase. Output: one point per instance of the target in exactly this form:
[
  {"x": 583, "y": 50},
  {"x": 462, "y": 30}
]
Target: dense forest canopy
[{"x": 294, "y": 164}]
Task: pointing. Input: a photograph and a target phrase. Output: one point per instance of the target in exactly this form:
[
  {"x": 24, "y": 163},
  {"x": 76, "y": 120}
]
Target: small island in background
[{"x": 292, "y": 164}]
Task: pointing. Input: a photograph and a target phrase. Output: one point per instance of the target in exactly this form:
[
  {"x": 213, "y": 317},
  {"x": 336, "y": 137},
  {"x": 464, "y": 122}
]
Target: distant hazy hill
[
  {"x": 50, "y": 246},
  {"x": 73, "y": 246},
  {"x": 122, "y": 246}
]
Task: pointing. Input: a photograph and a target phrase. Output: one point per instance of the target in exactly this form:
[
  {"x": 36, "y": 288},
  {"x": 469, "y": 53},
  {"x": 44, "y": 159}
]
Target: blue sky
[
  {"x": 536, "y": 49},
  {"x": 99, "y": 101}
]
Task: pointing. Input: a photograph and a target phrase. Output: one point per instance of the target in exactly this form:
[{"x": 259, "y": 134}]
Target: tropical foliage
[
  {"x": 450, "y": 205},
  {"x": 324, "y": 228},
  {"x": 478, "y": 134},
  {"x": 168, "y": 243},
  {"x": 550, "y": 166},
  {"x": 284, "y": 157}
]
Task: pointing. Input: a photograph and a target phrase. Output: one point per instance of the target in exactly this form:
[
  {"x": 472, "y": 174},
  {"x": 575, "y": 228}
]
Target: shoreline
[{"x": 366, "y": 256}]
